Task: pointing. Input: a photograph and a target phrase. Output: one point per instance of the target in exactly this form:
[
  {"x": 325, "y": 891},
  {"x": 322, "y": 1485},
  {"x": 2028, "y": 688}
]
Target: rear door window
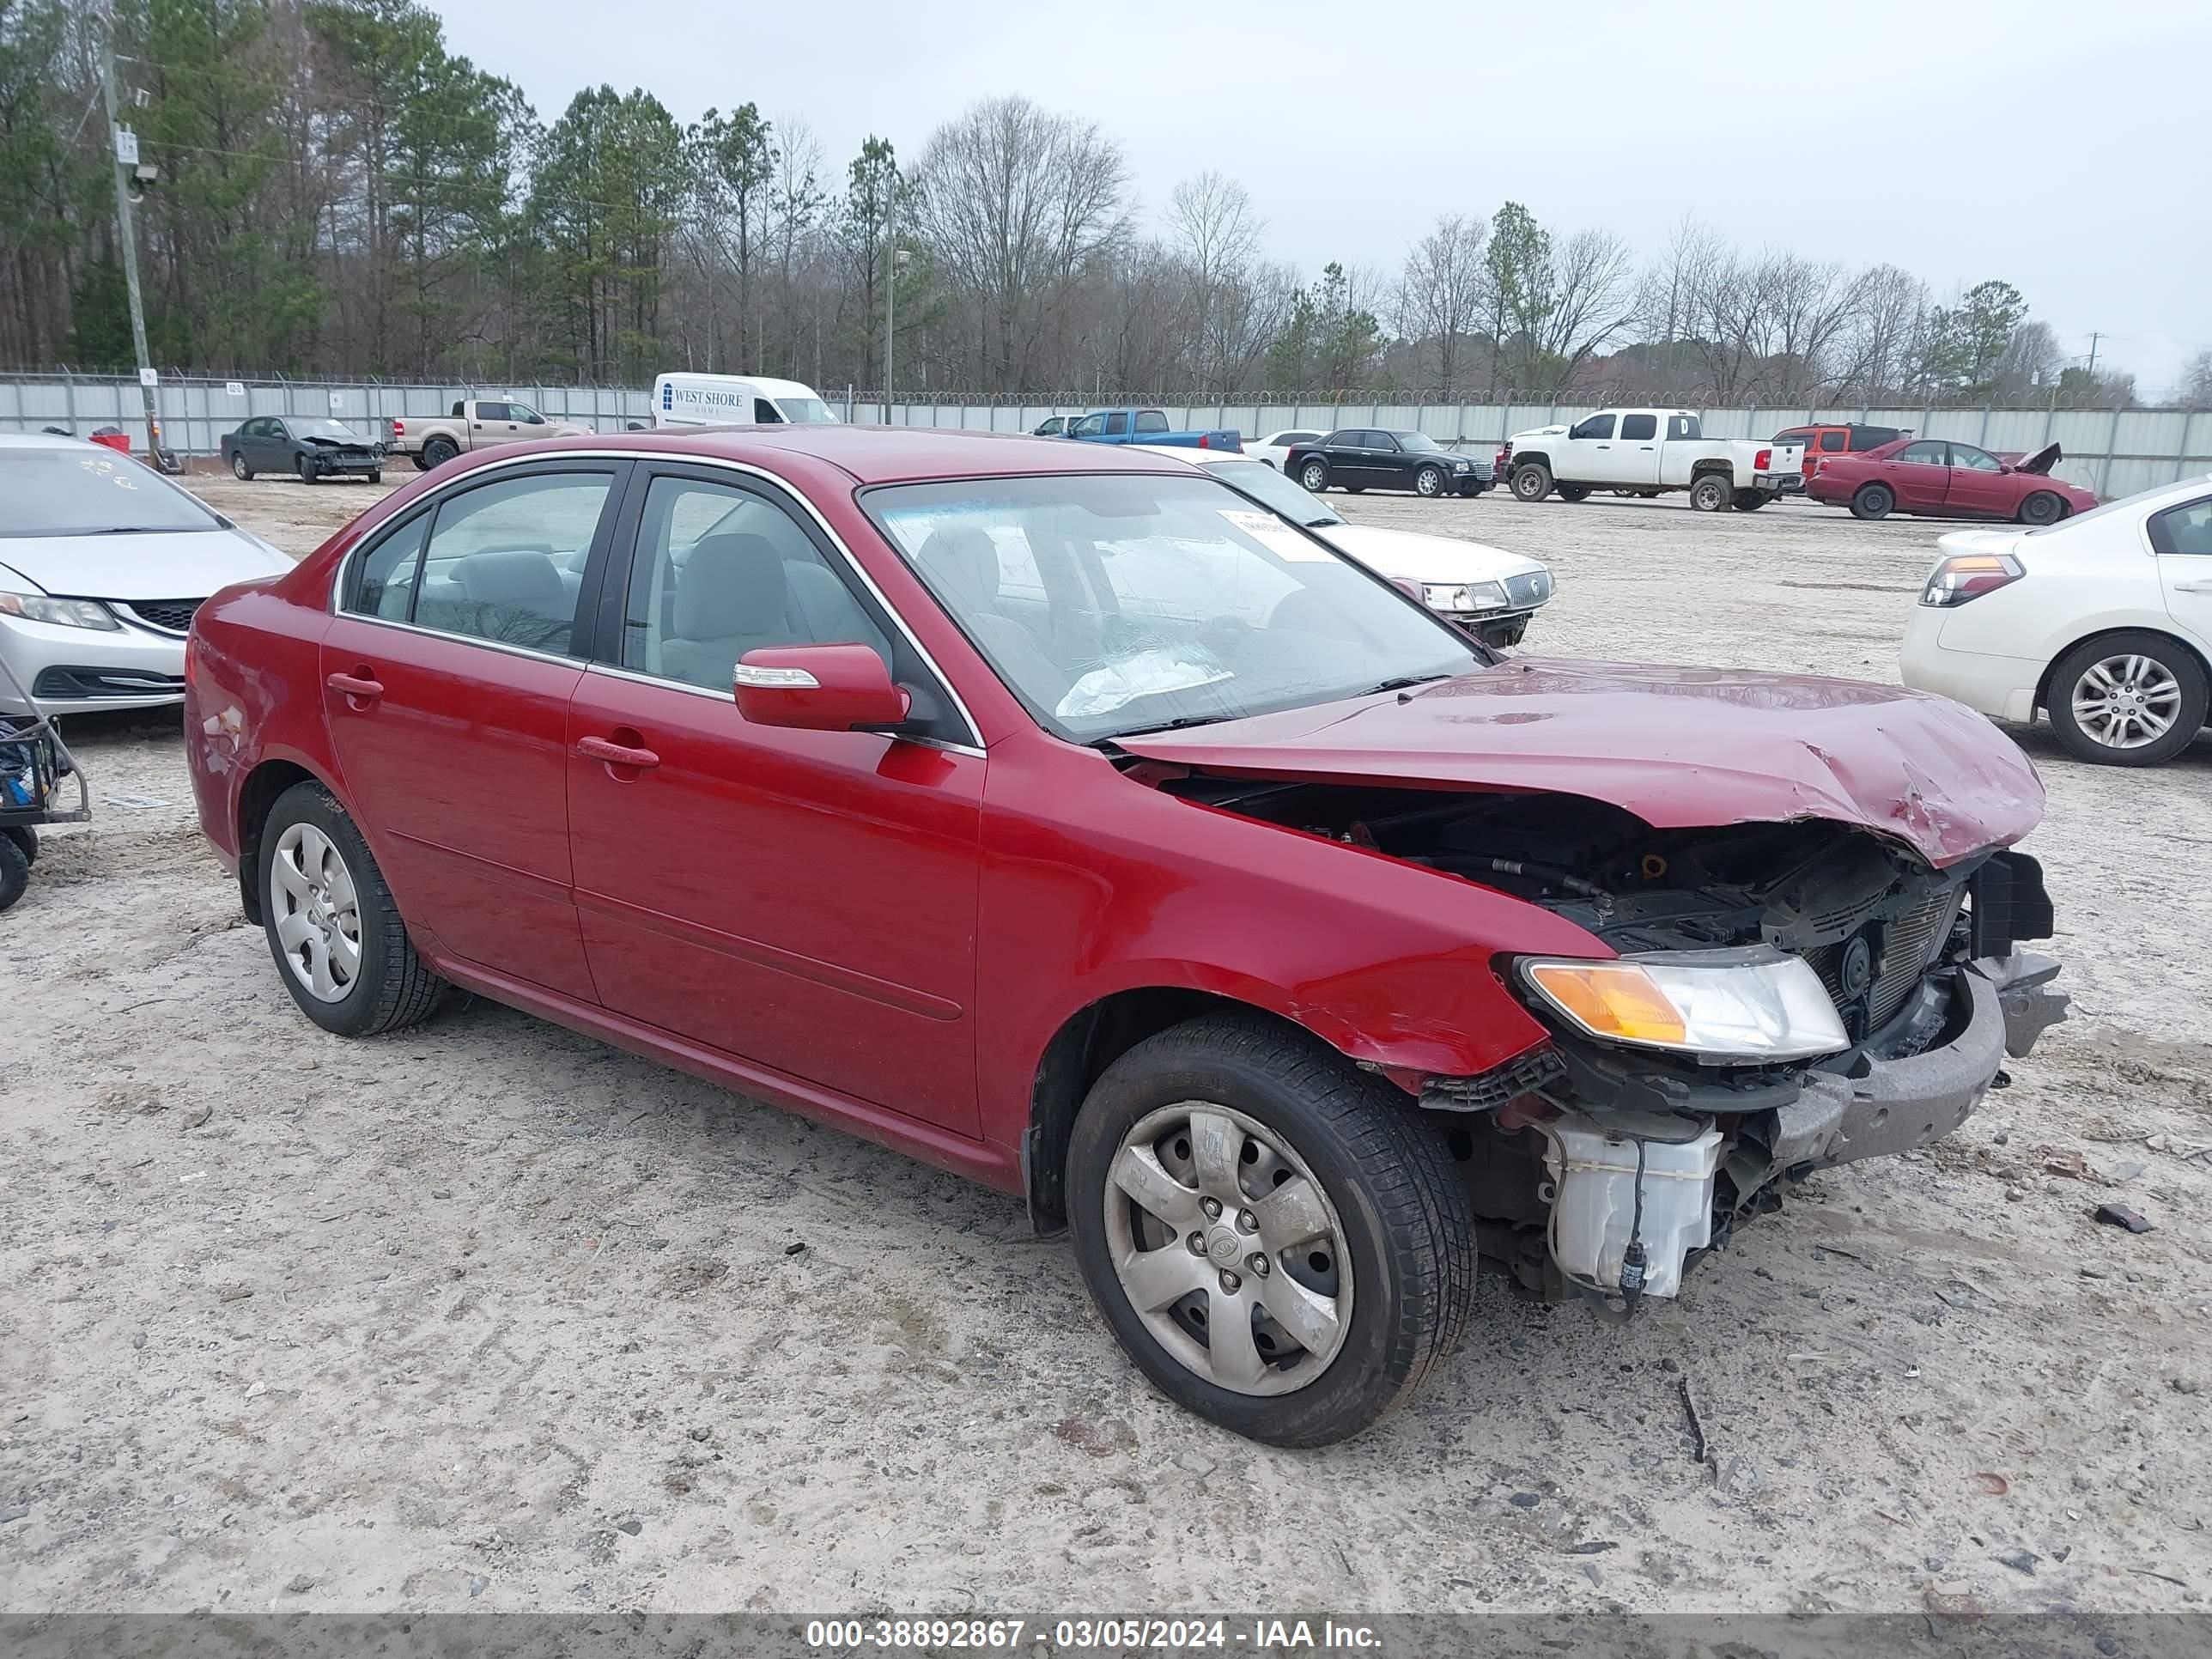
[
  {"x": 1638, "y": 428},
  {"x": 1832, "y": 442},
  {"x": 1869, "y": 437},
  {"x": 2184, "y": 529},
  {"x": 506, "y": 560},
  {"x": 1929, "y": 452},
  {"x": 1152, "y": 420}
]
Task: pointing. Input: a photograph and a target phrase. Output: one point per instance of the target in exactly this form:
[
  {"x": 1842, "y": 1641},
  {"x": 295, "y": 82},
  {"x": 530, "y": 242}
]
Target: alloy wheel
[
  {"x": 1428, "y": 481},
  {"x": 2126, "y": 702},
  {"x": 1228, "y": 1248},
  {"x": 1316, "y": 477},
  {"x": 317, "y": 913}
]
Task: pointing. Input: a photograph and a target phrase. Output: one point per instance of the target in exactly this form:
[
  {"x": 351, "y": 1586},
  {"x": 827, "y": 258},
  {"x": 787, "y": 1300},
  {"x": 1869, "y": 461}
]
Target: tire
[
  {"x": 2041, "y": 508},
  {"x": 239, "y": 470},
  {"x": 308, "y": 470},
  {"x": 385, "y": 987},
  {"x": 1749, "y": 501},
  {"x": 437, "y": 452},
  {"x": 15, "y": 871},
  {"x": 25, "y": 837},
  {"x": 1710, "y": 492},
  {"x": 2121, "y": 685},
  {"x": 1648, "y": 495},
  {"x": 1314, "y": 474},
  {"x": 1873, "y": 500},
  {"x": 1429, "y": 480},
  {"x": 1355, "y": 490},
  {"x": 1573, "y": 492},
  {"x": 421, "y": 465},
  {"x": 1386, "y": 1228},
  {"x": 376, "y": 475},
  {"x": 1531, "y": 480}
]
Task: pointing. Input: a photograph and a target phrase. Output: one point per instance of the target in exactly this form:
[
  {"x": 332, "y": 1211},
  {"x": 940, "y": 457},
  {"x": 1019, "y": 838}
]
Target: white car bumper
[
  {"x": 72, "y": 670},
  {"x": 2002, "y": 688}
]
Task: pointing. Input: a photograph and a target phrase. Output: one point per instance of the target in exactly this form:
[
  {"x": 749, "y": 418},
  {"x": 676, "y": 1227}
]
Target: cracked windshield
[{"x": 1114, "y": 605}]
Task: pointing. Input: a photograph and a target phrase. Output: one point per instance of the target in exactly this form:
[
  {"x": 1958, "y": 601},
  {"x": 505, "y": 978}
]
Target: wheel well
[
  {"x": 1080, "y": 1051},
  {"x": 1701, "y": 469},
  {"x": 268, "y": 781},
  {"x": 1523, "y": 458},
  {"x": 2050, "y": 668}
]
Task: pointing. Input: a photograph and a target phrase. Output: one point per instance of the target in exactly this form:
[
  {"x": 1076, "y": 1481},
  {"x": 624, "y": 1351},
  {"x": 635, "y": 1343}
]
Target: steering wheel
[{"x": 1225, "y": 634}]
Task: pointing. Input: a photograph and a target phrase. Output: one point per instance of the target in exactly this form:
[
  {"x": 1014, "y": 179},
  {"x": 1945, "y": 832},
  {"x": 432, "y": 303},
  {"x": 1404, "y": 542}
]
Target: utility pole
[
  {"x": 891, "y": 293},
  {"x": 2094, "y": 338},
  {"x": 122, "y": 171}
]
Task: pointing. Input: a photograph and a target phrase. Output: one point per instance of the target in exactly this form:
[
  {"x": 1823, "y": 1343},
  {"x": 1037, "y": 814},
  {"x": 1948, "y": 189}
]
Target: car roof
[
  {"x": 882, "y": 454},
  {"x": 38, "y": 440}
]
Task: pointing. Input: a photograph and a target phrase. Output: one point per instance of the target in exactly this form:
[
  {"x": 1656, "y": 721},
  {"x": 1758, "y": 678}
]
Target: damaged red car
[
  {"x": 1936, "y": 477},
  {"x": 1063, "y": 818}
]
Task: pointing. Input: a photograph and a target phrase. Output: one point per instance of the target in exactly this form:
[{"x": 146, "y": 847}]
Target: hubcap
[
  {"x": 1316, "y": 478},
  {"x": 2127, "y": 701},
  {"x": 1228, "y": 1248},
  {"x": 1427, "y": 484},
  {"x": 317, "y": 912}
]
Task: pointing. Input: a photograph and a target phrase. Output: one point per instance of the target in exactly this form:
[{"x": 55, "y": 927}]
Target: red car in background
[
  {"x": 1825, "y": 443},
  {"x": 1941, "y": 478},
  {"x": 1057, "y": 815}
]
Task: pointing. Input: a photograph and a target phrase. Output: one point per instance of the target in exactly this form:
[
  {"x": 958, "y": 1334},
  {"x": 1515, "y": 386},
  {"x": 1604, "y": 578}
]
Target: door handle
[
  {"x": 616, "y": 754},
  {"x": 2193, "y": 587},
  {"x": 358, "y": 689}
]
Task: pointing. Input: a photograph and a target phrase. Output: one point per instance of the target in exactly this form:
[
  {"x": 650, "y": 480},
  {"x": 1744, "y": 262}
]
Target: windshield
[
  {"x": 805, "y": 411},
  {"x": 79, "y": 490},
  {"x": 1416, "y": 440},
  {"x": 1113, "y": 604},
  {"x": 1272, "y": 489},
  {"x": 338, "y": 429}
]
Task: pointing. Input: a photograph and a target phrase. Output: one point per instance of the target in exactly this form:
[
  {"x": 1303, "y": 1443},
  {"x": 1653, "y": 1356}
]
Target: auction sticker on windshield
[{"x": 1277, "y": 537}]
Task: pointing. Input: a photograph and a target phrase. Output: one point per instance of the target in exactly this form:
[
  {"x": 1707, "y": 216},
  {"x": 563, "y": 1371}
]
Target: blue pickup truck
[{"x": 1145, "y": 426}]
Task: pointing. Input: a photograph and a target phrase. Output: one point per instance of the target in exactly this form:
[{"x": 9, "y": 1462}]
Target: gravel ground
[{"x": 489, "y": 1315}]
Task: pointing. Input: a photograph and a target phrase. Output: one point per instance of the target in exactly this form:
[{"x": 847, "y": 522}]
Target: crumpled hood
[
  {"x": 185, "y": 564},
  {"x": 1417, "y": 557},
  {"x": 1679, "y": 747}
]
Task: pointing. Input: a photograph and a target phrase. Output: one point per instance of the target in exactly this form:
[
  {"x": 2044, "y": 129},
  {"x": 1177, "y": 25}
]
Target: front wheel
[
  {"x": 376, "y": 475},
  {"x": 1711, "y": 493},
  {"x": 1429, "y": 480},
  {"x": 1750, "y": 501},
  {"x": 238, "y": 469},
  {"x": 15, "y": 871},
  {"x": 1532, "y": 482},
  {"x": 2132, "y": 699},
  {"x": 1873, "y": 501},
  {"x": 333, "y": 927},
  {"x": 2042, "y": 507},
  {"x": 1280, "y": 1242},
  {"x": 306, "y": 470},
  {"x": 1314, "y": 474}
]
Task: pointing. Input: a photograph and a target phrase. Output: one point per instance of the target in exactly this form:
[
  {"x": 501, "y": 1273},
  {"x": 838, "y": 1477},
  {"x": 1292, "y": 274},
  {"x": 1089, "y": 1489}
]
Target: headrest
[
  {"x": 733, "y": 584},
  {"x": 965, "y": 560},
  {"x": 518, "y": 580}
]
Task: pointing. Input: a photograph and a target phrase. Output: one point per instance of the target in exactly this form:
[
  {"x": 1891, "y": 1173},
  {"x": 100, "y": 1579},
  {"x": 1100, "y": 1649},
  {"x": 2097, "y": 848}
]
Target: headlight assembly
[
  {"x": 1743, "y": 1007},
  {"x": 60, "y": 613},
  {"x": 1463, "y": 596}
]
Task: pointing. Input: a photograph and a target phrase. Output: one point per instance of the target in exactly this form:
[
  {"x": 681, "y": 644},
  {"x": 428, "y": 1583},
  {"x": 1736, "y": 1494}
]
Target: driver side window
[
  {"x": 1976, "y": 460},
  {"x": 1597, "y": 426}
]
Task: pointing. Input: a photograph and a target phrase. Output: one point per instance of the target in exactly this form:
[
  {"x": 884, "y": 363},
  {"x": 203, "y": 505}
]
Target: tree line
[{"x": 341, "y": 194}]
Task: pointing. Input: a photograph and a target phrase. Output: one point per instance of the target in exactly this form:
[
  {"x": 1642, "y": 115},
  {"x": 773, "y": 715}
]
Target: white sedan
[
  {"x": 102, "y": 563},
  {"x": 1489, "y": 593},
  {"x": 2104, "y": 620},
  {"x": 1276, "y": 445}
]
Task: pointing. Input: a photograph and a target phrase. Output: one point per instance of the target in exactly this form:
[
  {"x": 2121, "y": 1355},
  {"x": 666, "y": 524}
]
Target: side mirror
[{"x": 819, "y": 688}]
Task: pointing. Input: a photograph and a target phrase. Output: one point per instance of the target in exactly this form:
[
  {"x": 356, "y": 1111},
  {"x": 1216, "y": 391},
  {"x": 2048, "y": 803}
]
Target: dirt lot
[{"x": 487, "y": 1314}]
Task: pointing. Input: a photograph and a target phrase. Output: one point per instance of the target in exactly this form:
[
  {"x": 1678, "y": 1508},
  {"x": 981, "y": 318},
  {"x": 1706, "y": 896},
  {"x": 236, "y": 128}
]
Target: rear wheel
[
  {"x": 2042, "y": 507},
  {"x": 238, "y": 467},
  {"x": 1531, "y": 480},
  {"x": 2132, "y": 699},
  {"x": 1279, "y": 1243},
  {"x": 333, "y": 928},
  {"x": 1429, "y": 480},
  {"x": 1873, "y": 500},
  {"x": 1572, "y": 492},
  {"x": 1314, "y": 474},
  {"x": 438, "y": 452},
  {"x": 1710, "y": 492}
]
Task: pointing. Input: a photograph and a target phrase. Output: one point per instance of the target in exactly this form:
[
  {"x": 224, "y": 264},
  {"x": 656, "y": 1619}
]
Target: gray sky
[{"x": 2066, "y": 149}]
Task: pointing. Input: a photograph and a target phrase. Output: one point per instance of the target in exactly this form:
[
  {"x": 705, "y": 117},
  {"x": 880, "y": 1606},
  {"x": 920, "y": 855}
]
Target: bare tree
[
  {"x": 1878, "y": 354},
  {"x": 2196, "y": 387},
  {"x": 1440, "y": 294},
  {"x": 1218, "y": 235},
  {"x": 1594, "y": 300},
  {"x": 1015, "y": 204}
]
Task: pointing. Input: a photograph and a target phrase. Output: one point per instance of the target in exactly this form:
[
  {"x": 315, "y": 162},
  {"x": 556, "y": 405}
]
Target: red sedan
[
  {"x": 1061, "y": 817},
  {"x": 1940, "y": 478}
]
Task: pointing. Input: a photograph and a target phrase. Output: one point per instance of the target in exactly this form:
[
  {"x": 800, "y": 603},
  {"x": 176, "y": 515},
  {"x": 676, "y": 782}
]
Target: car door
[
  {"x": 1385, "y": 461},
  {"x": 272, "y": 445},
  {"x": 2181, "y": 539},
  {"x": 448, "y": 673},
  {"x": 1979, "y": 483},
  {"x": 492, "y": 424},
  {"x": 804, "y": 901},
  {"x": 1920, "y": 475},
  {"x": 1636, "y": 450},
  {"x": 1586, "y": 456}
]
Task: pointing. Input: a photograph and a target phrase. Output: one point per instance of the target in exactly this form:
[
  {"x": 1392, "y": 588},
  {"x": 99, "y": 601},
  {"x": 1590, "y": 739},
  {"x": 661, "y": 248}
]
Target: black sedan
[
  {"x": 1363, "y": 457},
  {"x": 308, "y": 447}
]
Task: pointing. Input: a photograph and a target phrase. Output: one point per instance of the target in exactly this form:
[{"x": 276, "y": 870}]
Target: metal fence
[{"x": 2114, "y": 452}]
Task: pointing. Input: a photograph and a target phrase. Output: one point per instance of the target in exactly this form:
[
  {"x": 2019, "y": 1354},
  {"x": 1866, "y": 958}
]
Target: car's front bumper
[
  {"x": 66, "y": 670},
  {"x": 1492, "y": 628}
]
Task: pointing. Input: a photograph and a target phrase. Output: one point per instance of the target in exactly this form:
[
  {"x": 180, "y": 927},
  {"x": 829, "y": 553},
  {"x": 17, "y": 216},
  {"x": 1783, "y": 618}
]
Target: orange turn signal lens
[{"x": 1615, "y": 999}]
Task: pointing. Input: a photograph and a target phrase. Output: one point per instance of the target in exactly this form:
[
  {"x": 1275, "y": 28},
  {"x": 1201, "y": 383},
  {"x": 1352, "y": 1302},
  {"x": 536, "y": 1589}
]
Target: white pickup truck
[{"x": 1647, "y": 452}]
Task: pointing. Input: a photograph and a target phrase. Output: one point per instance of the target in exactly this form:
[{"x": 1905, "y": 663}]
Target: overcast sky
[{"x": 2066, "y": 149}]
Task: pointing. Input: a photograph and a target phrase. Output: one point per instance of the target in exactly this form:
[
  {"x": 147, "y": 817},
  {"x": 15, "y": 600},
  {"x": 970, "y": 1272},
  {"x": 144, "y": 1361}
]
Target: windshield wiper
[
  {"x": 1180, "y": 723},
  {"x": 1405, "y": 682}
]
